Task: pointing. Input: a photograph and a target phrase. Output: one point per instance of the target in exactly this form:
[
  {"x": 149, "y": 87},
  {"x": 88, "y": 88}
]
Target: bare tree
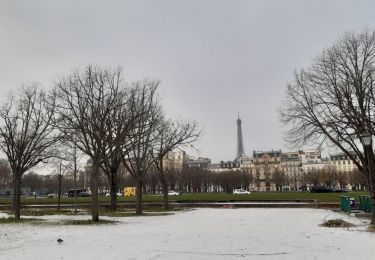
[
  {"x": 27, "y": 136},
  {"x": 342, "y": 178},
  {"x": 312, "y": 177},
  {"x": 120, "y": 124},
  {"x": 279, "y": 178},
  {"x": 152, "y": 181},
  {"x": 327, "y": 177},
  {"x": 137, "y": 150},
  {"x": 31, "y": 180},
  {"x": 66, "y": 163},
  {"x": 73, "y": 156},
  {"x": 334, "y": 100},
  {"x": 85, "y": 102},
  {"x": 229, "y": 180},
  {"x": 5, "y": 174},
  {"x": 196, "y": 177},
  {"x": 171, "y": 135},
  {"x": 358, "y": 180}
]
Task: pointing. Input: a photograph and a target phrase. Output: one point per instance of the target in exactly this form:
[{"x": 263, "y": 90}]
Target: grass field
[{"x": 254, "y": 196}]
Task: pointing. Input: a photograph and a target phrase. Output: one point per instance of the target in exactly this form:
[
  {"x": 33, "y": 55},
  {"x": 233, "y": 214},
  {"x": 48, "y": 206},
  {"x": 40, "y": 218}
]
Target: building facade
[
  {"x": 264, "y": 165},
  {"x": 342, "y": 163},
  {"x": 291, "y": 168},
  {"x": 175, "y": 161},
  {"x": 200, "y": 162}
]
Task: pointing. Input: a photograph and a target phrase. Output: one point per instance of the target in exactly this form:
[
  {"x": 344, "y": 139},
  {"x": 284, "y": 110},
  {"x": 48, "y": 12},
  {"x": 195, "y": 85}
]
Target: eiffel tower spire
[{"x": 240, "y": 149}]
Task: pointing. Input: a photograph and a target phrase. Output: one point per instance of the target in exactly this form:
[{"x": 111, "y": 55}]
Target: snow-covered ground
[{"x": 255, "y": 233}]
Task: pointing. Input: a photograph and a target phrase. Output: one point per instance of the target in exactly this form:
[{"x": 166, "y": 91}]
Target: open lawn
[
  {"x": 204, "y": 233},
  {"x": 254, "y": 196}
]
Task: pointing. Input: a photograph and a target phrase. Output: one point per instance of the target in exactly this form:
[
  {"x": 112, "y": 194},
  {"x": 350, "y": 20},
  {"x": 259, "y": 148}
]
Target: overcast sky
[{"x": 214, "y": 58}]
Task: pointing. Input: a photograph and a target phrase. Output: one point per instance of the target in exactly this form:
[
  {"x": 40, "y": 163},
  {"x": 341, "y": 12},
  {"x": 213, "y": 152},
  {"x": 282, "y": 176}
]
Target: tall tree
[
  {"x": 27, "y": 136},
  {"x": 334, "y": 100},
  {"x": 86, "y": 99},
  {"x": 313, "y": 177},
  {"x": 120, "y": 124},
  {"x": 171, "y": 135},
  {"x": 5, "y": 174},
  {"x": 279, "y": 178},
  {"x": 32, "y": 180},
  {"x": 358, "y": 180},
  {"x": 137, "y": 150},
  {"x": 72, "y": 157}
]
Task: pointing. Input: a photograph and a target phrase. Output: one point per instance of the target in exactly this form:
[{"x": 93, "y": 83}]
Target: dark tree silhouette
[
  {"x": 27, "y": 136},
  {"x": 171, "y": 135},
  {"x": 86, "y": 101},
  {"x": 137, "y": 150},
  {"x": 334, "y": 100}
]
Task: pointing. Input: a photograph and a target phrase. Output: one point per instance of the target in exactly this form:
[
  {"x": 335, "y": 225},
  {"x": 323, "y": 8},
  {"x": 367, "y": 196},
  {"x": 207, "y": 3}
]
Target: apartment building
[
  {"x": 291, "y": 167},
  {"x": 265, "y": 163},
  {"x": 342, "y": 163},
  {"x": 175, "y": 160}
]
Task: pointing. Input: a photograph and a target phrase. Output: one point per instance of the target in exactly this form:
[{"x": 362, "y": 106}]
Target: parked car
[
  {"x": 84, "y": 194},
  {"x": 321, "y": 189},
  {"x": 339, "y": 190},
  {"x": 77, "y": 191},
  {"x": 118, "y": 194},
  {"x": 52, "y": 195},
  {"x": 173, "y": 193},
  {"x": 241, "y": 191}
]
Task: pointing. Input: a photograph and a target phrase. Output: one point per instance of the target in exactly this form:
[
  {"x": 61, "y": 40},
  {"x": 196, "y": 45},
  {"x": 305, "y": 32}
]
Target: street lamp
[
  {"x": 366, "y": 138},
  {"x": 367, "y": 145},
  {"x": 301, "y": 177}
]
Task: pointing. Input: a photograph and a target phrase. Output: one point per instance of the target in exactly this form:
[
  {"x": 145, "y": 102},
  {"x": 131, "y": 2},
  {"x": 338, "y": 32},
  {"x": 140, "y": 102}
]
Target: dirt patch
[{"x": 336, "y": 223}]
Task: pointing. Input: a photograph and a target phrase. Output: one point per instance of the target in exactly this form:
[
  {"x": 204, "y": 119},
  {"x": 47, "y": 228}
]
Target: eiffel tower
[{"x": 240, "y": 149}]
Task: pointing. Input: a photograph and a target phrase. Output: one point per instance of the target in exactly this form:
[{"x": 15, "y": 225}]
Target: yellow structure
[{"x": 129, "y": 191}]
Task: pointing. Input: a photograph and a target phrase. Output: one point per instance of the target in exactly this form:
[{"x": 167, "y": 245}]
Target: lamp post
[
  {"x": 301, "y": 177},
  {"x": 75, "y": 178},
  {"x": 295, "y": 181},
  {"x": 366, "y": 138},
  {"x": 367, "y": 145},
  {"x": 59, "y": 190}
]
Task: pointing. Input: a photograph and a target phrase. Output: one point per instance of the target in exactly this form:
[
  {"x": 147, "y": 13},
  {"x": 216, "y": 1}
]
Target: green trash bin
[
  {"x": 362, "y": 202},
  {"x": 345, "y": 204},
  {"x": 368, "y": 204}
]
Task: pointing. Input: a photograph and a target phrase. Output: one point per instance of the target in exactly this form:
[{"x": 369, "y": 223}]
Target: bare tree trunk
[
  {"x": 75, "y": 179},
  {"x": 59, "y": 190},
  {"x": 139, "y": 209},
  {"x": 75, "y": 190},
  {"x": 17, "y": 197},
  {"x": 113, "y": 191},
  {"x": 14, "y": 193},
  {"x": 94, "y": 192},
  {"x": 371, "y": 177},
  {"x": 165, "y": 193}
]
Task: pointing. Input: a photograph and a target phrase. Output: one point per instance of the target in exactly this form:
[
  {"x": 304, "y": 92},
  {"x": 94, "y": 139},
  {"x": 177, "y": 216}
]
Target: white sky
[{"x": 214, "y": 58}]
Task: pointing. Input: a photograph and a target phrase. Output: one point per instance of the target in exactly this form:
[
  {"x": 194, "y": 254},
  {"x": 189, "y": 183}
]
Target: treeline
[
  {"x": 191, "y": 180},
  {"x": 113, "y": 122},
  {"x": 326, "y": 177}
]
